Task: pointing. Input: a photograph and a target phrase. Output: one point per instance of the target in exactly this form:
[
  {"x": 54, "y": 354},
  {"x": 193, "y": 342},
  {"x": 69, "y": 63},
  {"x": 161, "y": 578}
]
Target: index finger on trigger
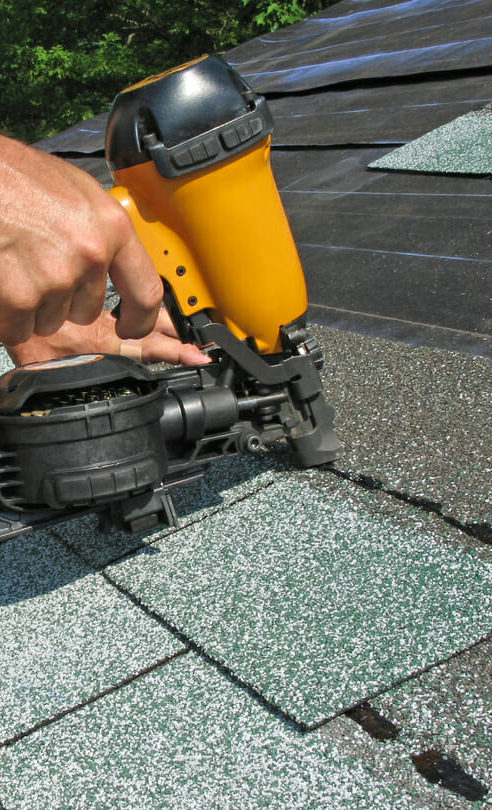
[{"x": 140, "y": 289}]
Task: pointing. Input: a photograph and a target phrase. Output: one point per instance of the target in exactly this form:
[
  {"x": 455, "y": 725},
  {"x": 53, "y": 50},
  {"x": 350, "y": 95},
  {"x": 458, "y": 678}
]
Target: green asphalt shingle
[
  {"x": 462, "y": 146},
  {"x": 66, "y": 634},
  {"x": 183, "y": 737},
  {"x": 317, "y": 597}
]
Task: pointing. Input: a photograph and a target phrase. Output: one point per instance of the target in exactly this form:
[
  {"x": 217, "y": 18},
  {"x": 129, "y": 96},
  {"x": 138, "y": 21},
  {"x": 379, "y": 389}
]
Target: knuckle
[
  {"x": 60, "y": 284},
  {"x": 110, "y": 228},
  {"x": 117, "y": 219},
  {"x": 94, "y": 251}
]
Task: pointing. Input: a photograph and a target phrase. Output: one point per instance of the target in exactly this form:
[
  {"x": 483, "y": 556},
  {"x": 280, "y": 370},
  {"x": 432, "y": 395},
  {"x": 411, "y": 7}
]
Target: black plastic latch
[
  {"x": 213, "y": 146},
  {"x": 144, "y": 512}
]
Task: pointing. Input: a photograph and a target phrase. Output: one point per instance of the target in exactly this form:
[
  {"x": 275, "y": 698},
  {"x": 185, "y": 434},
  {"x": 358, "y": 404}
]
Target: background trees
[{"x": 63, "y": 62}]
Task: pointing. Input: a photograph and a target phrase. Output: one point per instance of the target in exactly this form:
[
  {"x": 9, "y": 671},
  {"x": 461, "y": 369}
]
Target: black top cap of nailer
[{"x": 186, "y": 119}]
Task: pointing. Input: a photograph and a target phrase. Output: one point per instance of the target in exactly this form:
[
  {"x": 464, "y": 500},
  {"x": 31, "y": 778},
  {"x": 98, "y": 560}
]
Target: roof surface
[{"x": 317, "y": 638}]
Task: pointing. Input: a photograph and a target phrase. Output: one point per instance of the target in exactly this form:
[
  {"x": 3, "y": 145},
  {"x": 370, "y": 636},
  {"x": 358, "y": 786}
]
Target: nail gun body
[{"x": 190, "y": 154}]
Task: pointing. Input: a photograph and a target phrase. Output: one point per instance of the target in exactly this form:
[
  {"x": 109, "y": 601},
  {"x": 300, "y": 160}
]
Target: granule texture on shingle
[
  {"x": 390, "y": 762},
  {"x": 448, "y": 709},
  {"x": 462, "y": 146},
  {"x": 416, "y": 419},
  {"x": 5, "y": 362},
  {"x": 66, "y": 634},
  {"x": 185, "y": 738},
  {"x": 317, "y": 598}
]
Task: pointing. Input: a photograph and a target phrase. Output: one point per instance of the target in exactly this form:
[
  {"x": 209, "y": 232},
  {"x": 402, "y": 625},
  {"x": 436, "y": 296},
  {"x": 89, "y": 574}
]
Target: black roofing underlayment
[{"x": 361, "y": 41}]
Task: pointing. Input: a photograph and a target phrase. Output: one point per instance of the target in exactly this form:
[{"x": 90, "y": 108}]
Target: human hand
[
  {"x": 101, "y": 337},
  {"x": 60, "y": 235}
]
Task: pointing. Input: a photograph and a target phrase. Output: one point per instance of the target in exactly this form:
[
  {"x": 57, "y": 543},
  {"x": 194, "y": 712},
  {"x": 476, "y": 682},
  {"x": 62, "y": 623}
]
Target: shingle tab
[
  {"x": 184, "y": 738},
  {"x": 66, "y": 634},
  {"x": 317, "y": 597}
]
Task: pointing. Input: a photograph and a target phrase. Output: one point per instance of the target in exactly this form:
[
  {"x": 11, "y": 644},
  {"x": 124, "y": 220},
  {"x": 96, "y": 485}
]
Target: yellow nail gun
[{"x": 189, "y": 150}]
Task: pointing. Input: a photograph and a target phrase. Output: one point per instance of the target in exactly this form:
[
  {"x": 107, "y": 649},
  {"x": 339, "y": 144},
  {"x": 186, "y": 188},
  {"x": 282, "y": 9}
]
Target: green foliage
[
  {"x": 270, "y": 15},
  {"x": 61, "y": 63}
]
